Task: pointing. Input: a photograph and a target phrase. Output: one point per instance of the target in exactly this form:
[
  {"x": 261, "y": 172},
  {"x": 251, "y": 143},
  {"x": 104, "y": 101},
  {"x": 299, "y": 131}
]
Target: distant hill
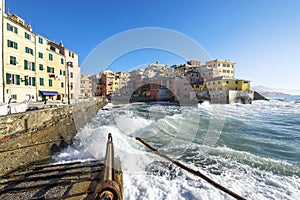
[{"x": 265, "y": 91}]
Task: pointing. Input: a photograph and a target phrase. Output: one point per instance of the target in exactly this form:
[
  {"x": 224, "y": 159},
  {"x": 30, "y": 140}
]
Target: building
[
  {"x": 224, "y": 83},
  {"x": 95, "y": 80},
  {"x": 157, "y": 70},
  {"x": 107, "y": 81},
  {"x": 216, "y": 68},
  {"x": 33, "y": 65},
  {"x": 123, "y": 79},
  {"x": 228, "y": 90},
  {"x": 85, "y": 87}
]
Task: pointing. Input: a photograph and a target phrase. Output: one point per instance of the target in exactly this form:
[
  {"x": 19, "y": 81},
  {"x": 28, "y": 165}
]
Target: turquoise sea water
[{"x": 252, "y": 149}]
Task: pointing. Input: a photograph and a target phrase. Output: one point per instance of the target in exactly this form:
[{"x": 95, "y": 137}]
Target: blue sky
[{"x": 261, "y": 36}]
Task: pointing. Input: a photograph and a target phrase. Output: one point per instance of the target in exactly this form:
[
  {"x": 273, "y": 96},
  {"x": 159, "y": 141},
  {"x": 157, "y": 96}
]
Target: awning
[{"x": 49, "y": 93}]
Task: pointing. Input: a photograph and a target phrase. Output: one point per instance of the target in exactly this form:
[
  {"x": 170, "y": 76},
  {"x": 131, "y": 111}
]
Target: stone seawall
[{"x": 36, "y": 135}]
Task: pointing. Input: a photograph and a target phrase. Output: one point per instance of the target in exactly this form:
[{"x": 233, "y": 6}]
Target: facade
[
  {"x": 85, "y": 87},
  {"x": 157, "y": 70},
  {"x": 123, "y": 79},
  {"x": 95, "y": 80},
  {"x": 107, "y": 81},
  {"x": 223, "y": 68},
  {"x": 33, "y": 65},
  {"x": 225, "y": 84}
]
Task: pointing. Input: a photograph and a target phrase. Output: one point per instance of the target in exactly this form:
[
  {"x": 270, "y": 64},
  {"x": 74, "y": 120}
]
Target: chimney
[{"x": 61, "y": 43}]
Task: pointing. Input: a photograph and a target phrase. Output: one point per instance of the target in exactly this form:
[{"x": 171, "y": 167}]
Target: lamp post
[{"x": 69, "y": 64}]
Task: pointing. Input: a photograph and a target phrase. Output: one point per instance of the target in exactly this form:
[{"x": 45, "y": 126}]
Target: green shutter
[
  {"x": 16, "y": 30},
  {"x": 41, "y": 81},
  {"x": 33, "y": 66},
  {"x": 62, "y": 61},
  {"x": 16, "y": 45},
  {"x": 41, "y": 67},
  {"x": 50, "y": 83},
  {"x": 8, "y": 26},
  {"x": 18, "y": 79},
  {"x": 8, "y": 77},
  {"x": 25, "y": 64},
  {"x": 26, "y": 80},
  {"x": 33, "y": 81},
  {"x": 60, "y": 72},
  {"x": 8, "y": 43}
]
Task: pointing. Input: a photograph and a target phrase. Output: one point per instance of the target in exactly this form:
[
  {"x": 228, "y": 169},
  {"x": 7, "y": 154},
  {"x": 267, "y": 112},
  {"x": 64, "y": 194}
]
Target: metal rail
[{"x": 108, "y": 189}]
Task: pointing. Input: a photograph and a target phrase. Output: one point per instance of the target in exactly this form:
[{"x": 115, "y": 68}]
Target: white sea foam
[{"x": 248, "y": 175}]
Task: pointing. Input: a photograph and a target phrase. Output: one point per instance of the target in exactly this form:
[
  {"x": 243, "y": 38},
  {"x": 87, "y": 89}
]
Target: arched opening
[{"x": 151, "y": 92}]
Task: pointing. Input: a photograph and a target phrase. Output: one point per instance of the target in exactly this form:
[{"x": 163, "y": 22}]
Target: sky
[{"x": 261, "y": 36}]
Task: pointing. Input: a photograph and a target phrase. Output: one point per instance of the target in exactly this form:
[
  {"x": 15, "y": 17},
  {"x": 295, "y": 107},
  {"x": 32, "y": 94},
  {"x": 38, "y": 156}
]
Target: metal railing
[{"x": 108, "y": 189}]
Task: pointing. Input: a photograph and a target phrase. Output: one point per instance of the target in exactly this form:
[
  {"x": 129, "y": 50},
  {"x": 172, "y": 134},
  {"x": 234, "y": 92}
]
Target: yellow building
[
  {"x": 197, "y": 87},
  {"x": 225, "y": 84},
  {"x": 215, "y": 68},
  {"x": 33, "y": 65}
]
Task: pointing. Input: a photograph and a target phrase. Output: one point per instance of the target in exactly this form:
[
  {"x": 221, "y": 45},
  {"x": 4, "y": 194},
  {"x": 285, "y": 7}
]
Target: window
[
  {"x": 62, "y": 61},
  {"x": 62, "y": 84},
  {"x": 227, "y": 82},
  {"x": 50, "y": 69},
  {"x": 50, "y": 57},
  {"x": 12, "y": 44},
  {"x": 219, "y": 82},
  {"x": 14, "y": 96},
  {"x": 41, "y": 55},
  {"x": 71, "y": 86},
  {"x": 29, "y": 65},
  {"x": 27, "y": 36},
  {"x": 60, "y": 72},
  {"x": 12, "y": 28},
  {"x": 236, "y": 82},
  {"x": 29, "y": 80},
  {"x": 8, "y": 76},
  {"x": 64, "y": 73},
  {"x": 52, "y": 48},
  {"x": 13, "y": 60},
  {"x": 29, "y": 50},
  {"x": 50, "y": 82},
  {"x": 40, "y": 40},
  {"x": 41, "y": 67},
  {"x": 71, "y": 54},
  {"x": 41, "y": 81},
  {"x": 12, "y": 79},
  {"x": 71, "y": 74}
]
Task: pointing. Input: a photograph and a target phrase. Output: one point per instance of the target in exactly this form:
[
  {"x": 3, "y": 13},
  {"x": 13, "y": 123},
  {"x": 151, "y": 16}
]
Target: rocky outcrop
[{"x": 258, "y": 96}]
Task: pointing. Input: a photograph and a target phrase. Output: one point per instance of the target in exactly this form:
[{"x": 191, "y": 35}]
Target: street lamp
[{"x": 69, "y": 64}]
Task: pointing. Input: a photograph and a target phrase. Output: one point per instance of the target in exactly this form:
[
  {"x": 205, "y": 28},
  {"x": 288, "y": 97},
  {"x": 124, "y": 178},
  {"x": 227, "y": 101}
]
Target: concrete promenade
[{"x": 36, "y": 135}]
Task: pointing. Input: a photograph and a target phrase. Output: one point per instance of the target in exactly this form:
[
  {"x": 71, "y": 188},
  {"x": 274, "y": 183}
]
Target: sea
[{"x": 251, "y": 149}]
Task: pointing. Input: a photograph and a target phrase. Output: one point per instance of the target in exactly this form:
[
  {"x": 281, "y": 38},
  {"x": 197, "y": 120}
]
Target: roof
[{"x": 224, "y": 78}]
